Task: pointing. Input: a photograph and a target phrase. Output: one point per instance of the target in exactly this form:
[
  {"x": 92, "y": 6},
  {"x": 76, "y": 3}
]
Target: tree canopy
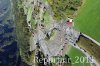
[{"x": 64, "y": 8}]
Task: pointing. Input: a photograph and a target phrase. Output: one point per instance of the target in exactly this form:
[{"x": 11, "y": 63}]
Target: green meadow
[
  {"x": 88, "y": 19},
  {"x": 77, "y": 57}
]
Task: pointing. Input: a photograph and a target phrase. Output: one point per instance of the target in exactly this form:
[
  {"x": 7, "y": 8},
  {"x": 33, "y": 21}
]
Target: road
[
  {"x": 73, "y": 43},
  {"x": 92, "y": 39}
]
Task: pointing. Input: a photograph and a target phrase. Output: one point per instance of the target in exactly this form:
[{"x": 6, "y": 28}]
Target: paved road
[
  {"x": 73, "y": 43},
  {"x": 92, "y": 39}
]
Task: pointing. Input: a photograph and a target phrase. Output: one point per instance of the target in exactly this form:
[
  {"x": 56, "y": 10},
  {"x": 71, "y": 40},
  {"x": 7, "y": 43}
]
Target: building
[{"x": 70, "y": 23}]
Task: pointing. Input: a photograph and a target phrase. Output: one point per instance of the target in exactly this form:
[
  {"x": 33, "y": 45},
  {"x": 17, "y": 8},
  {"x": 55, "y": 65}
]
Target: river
[{"x": 8, "y": 41}]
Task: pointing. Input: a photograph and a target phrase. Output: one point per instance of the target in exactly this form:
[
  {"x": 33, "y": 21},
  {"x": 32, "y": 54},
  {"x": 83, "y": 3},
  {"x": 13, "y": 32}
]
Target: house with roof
[{"x": 70, "y": 22}]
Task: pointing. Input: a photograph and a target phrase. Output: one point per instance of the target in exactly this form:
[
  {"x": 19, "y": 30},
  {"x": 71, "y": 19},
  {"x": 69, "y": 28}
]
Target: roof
[{"x": 69, "y": 24}]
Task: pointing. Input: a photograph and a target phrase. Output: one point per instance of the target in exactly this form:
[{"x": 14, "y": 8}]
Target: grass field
[
  {"x": 73, "y": 54},
  {"x": 88, "y": 19},
  {"x": 29, "y": 15},
  {"x": 47, "y": 19}
]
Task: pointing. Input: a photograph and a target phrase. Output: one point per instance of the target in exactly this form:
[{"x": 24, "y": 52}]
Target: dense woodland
[
  {"x": 64, "y": 8},
  {"x": 23, "y": 34}
]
